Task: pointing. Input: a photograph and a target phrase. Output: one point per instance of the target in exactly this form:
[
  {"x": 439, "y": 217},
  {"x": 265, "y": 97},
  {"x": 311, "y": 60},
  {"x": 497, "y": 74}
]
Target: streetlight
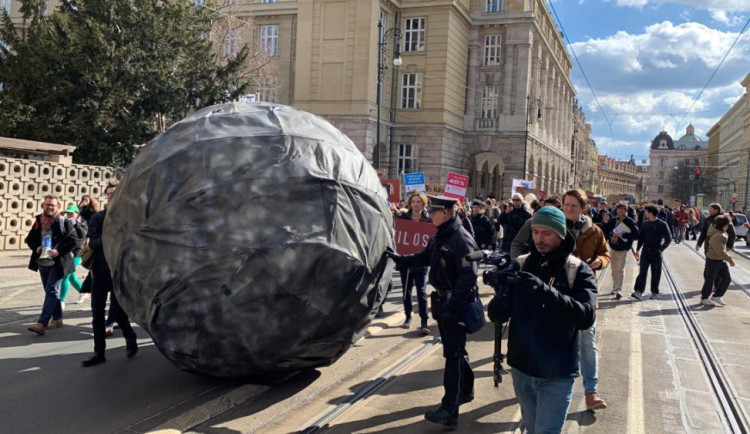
[
  {"x": 383, "y": 37},
  {"x": 529, "y": 104}
]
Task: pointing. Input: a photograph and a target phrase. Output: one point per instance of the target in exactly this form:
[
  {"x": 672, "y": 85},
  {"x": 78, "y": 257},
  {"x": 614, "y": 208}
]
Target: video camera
[{"x": 503, "y": 276}]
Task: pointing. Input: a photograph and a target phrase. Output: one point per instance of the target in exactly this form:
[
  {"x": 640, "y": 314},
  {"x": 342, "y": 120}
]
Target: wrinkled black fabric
[{"x": 248, "y": 238}]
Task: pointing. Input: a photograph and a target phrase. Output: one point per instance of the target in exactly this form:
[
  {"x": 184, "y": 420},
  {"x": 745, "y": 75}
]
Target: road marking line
[{"x": 635, "y": 420}]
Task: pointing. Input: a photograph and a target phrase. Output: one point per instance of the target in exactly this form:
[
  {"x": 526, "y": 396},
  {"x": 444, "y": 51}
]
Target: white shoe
[
  {"x": 82, "y": 298},
  {"x": 707, "y": 302},
  {"x": 718, "y": 300}
]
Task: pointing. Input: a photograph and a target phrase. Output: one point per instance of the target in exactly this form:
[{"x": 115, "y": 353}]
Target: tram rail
[
  {"x": 733, "y": 415},
  {"x": 736, "y": 284}
]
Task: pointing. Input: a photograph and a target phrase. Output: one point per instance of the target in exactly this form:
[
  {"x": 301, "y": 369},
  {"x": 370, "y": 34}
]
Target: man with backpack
[
  {"x": 51, "y": 239},
  {"x": 549, "y": 300}
]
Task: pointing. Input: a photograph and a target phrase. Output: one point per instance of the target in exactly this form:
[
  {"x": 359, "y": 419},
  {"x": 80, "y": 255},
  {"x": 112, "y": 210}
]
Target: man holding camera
[
  {"x": 549, "y": 300},
  {"x": 455, "y": 281}
]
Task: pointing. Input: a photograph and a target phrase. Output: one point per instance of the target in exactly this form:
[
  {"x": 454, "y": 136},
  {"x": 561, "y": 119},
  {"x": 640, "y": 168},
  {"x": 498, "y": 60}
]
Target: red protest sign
[
  {"x": 455, "y": 185},
  {"x": 412, "y": 236},
  {"x": 393, "y": 187}
]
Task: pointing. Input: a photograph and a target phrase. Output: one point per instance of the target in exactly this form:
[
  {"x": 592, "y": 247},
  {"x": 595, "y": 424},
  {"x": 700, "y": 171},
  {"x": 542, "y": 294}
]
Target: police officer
[{"x": 455, "y": 281}]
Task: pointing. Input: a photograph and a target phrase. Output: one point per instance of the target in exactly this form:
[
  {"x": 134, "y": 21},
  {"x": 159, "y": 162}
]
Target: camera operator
[
  {"x": 547, "y": 312},
  {"x": 455, "y": 281}
]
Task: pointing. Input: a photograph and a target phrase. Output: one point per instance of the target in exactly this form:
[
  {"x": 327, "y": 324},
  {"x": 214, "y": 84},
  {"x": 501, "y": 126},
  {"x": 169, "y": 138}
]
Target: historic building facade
[
  {"x": 617, "y": 177},
  {"x": 666, "y": 156},
  {"x": 728, "y": 152},
  {"x": 584, "y": 154},
  {"x": 483, "y": 88}
]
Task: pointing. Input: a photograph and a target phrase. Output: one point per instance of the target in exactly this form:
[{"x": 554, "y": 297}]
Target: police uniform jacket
[
  {"x": 543, "y": 338},
  {"x": 64, "y": 240},
  {"x": 449, "y": 271}
]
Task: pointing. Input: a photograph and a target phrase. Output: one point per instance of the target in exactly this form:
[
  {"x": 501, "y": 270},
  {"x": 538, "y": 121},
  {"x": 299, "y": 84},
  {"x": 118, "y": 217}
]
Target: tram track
[
  {"x": 732, "y": 413},
  {"x": 736, "y": 284},
  {"x": 327, "y": 420}
]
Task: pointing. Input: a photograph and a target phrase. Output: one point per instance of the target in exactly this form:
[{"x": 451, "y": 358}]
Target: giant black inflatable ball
[{"x": 248, "y": 238}]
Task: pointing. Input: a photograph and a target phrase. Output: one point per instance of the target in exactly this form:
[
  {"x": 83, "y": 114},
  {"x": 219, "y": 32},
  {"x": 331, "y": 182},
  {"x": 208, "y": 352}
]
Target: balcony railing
[{"x": 485, "y": 124}]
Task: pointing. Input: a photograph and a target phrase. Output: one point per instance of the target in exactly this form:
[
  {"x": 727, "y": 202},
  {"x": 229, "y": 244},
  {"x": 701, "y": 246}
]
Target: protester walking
[
  {"x": 621, "y": 232},
  {"x": 71, "y": 213},
  {"x": 51, "y": 239},
  {"x": 717, "y": 272},
  {"x": 100, "y": 287},
  {"x": 512, "y": 219},
  {"x": 591, "y": 247},
  {"x": 654, "y": 238},
  {"x": 415, "y": 277}
]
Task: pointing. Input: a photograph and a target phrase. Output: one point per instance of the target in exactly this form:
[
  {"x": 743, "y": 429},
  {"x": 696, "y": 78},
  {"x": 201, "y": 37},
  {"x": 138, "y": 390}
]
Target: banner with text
[
  {"x": 414, "y": 181},
  {"x": 522, "y": 183},
  {"x": 456, "y": 185},
  {"x": 393, "y": 188},
  {"x": 412, "y": 236},
  {"x": 435, "y": 189}
]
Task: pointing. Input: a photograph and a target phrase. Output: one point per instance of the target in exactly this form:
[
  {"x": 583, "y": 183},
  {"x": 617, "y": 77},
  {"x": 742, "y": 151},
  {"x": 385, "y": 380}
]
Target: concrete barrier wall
[{"x": 24, "y": 183}]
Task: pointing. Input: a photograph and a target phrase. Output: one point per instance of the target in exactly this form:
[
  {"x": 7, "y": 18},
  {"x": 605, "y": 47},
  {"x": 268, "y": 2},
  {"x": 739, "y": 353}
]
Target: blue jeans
[
  {"x": 589, "y": 360},
  {"x": 51, "y": 309},
  {"x": 544, "y": 402}
]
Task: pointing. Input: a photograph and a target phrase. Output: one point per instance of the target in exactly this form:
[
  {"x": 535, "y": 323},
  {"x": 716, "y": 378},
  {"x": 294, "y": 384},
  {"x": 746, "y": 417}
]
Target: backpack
[{"x": 571, "y": 267}]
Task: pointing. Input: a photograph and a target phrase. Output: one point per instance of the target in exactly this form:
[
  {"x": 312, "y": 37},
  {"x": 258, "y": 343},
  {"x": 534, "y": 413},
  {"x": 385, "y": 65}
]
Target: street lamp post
[
  {"x": 383, "y": 37},
  {"x": 529, "y": 104}
]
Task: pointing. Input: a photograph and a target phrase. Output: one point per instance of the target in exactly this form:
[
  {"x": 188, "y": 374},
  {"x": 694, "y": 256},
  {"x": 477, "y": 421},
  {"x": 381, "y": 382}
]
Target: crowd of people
[{"x": 561, "y": 244}]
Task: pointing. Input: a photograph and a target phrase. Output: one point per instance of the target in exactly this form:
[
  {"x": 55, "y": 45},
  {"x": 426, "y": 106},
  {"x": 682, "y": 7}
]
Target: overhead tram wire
[
  {"x": 583, "y": 72},
  {"x": 715, "y": 71}
]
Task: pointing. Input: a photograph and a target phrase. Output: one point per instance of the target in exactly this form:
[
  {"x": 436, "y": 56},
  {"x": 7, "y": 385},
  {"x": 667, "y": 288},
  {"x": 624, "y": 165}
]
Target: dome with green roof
[{"x": 690, "y": 135}]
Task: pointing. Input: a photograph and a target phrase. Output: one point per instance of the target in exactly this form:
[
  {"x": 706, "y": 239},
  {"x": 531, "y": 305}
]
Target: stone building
[
  {"x": 616, "y": 177},
  {"x": 728, "y": 152},
  {"x": 483, "y": 88},
  {"x": 583, "y": 153},
  {"x": 666, "y": 156}
]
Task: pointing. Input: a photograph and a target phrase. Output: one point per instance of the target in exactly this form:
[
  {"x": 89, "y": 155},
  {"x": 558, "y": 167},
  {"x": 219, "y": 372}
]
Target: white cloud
[
  {"x": 666, "y": 56},
  {"x": 723, "y": 5},
  {"x": 726, "y": 18}
]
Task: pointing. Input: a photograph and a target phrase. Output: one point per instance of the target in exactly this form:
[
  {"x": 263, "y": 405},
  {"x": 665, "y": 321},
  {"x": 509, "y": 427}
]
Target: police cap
[{"x": 438, "y": 203}]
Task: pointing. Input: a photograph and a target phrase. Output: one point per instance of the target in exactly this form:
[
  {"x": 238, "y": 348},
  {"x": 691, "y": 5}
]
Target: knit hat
[
  {"x": 551, "y": 218},
  {"x": 517, "y": 196}
]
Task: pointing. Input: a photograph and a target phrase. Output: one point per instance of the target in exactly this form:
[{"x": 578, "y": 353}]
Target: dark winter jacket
[
  {"x": 624, "y": 241},
  {"x": 543, "y": 339},
  {"x": 64, "y": 240},
  {"x": 654, "y": 236},
  {"x": 96, "y": 225},
  {"x": 512, "y": 223},
  {"x": 449, "y": 271},
  {"x": 483, "y": 230}
]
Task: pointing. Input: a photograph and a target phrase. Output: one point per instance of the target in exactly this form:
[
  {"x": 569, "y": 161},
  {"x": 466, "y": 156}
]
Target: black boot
[
  {"x": 442, "y": 416},
  {"x": 95, "y": 359},
  {"x": 131, "y": 348}
]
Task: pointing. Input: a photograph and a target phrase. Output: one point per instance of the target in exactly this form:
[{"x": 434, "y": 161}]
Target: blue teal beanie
[{"x": 551, "y": 218}]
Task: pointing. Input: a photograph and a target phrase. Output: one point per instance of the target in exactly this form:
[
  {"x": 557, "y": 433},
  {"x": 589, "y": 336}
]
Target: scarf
[{"x": 47, "y": 222}]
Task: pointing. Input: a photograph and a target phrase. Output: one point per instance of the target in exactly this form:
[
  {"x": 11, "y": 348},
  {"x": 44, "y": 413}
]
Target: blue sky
[{"x": 648, "y": 59}]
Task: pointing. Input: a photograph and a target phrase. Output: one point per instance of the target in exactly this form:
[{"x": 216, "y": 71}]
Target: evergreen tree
[{"x": 108, "y": 75}]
